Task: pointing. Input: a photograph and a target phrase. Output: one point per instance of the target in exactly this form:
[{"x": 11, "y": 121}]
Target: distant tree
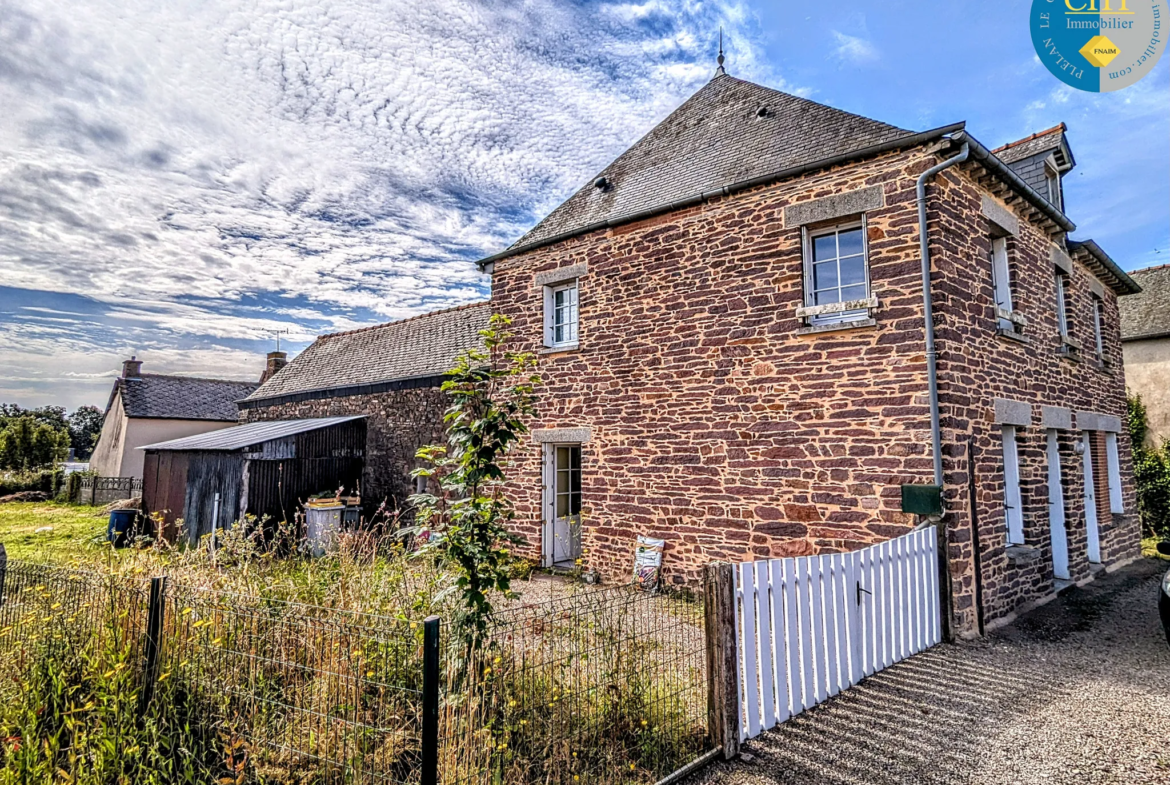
[
  {"x": 53, "y": 416},
  {"x": 27, "y": 443},
  {"x": 85, "y": 424}
]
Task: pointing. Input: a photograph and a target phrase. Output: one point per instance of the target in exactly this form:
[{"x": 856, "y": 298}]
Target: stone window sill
[
  {"x": 1012, "y": 335},
  {"x": 1022, "y": 554},
  {"x": 833, "y": 327},
  {"x": 565, "y": 349},
  {"x": 1070, "y": 353}
]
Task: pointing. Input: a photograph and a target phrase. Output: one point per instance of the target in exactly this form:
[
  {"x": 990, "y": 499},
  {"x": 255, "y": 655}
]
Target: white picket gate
[{"x": 811, "y": 626}]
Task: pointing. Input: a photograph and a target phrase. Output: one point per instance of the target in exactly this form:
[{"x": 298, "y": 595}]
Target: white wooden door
[
  {"x": 1056, "y": 520},
  {"x": 1114, "y": 467},
  {"x": 1091, "y": 531},
  {"x": 1012, "y": 501},
  {"x": 562, "y": 527}
]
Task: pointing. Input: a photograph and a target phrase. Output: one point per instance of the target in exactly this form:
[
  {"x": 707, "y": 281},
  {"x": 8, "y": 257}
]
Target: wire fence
[{"x": 605, "y": 685}]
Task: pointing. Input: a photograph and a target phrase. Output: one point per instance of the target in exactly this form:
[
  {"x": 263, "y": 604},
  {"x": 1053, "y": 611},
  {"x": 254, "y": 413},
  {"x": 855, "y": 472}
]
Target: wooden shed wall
[
  {"x": 164, "y": 487},
  {"x": 209, "y": 473}
]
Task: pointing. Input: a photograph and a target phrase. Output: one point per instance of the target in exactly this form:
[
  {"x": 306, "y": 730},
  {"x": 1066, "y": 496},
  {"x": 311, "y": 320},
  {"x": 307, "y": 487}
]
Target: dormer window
[{"x": 1052, "y": 179}]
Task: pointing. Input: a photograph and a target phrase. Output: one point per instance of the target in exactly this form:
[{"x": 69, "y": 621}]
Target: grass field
[{"x": 51, "y": 532}]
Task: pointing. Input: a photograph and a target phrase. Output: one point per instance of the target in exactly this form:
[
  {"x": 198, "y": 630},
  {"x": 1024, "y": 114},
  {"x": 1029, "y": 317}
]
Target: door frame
[
  {"x": 548, "y": 461},
  {"x": 1092, "y": 525},
  {"x": 1057, "y": 524}
]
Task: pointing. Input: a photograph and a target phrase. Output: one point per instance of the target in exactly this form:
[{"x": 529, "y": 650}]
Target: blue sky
[{"x": 178, "y": 181}]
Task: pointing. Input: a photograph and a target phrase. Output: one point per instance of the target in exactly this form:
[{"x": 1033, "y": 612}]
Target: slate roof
[
  {"x": 1147, "y": 314},
  {"x": 240, "y": 436},
  {"x": 422, "y": 346},
  {"x": 713, "y": 140},
  {"x": 1035, "y": 144},
  {"x": 155, "y": 396}
]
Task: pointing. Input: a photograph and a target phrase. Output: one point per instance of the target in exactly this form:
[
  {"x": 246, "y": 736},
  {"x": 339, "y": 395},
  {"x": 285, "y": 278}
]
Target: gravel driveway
[{"x": 1076, "y": 692}]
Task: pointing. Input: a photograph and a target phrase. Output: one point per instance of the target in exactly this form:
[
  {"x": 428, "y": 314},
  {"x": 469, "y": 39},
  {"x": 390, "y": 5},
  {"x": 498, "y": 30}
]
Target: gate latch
[{"x": 860, "y": 590}]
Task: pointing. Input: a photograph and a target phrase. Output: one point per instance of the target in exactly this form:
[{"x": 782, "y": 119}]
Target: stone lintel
[
  {"x": 1056, "y": 417},
  {"x": 835, "y": 206},
  {"x": 561, "y": 435},
  {"x": 562, "y": 274},
  {"x": 1009, "y": 412},
  {"x": 1000, "y": 216}
]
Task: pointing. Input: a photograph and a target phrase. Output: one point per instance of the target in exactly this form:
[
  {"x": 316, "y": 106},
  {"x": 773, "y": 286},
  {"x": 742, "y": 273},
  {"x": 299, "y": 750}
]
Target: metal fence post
[
  {"x": 719, "y": 605},
  {"x": 154, "y": 625},
  {"x": 430, "y": 718},
  {"x": 3, "y": 570}
]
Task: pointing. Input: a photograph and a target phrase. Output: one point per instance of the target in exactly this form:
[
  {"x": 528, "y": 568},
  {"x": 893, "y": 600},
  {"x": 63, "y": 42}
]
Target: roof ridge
[
  {"x": 186, "y": 378},
  {"x": 1062, "y": 128},
  {"x": 357, "y": 330},
  {"x": 1150, "y": 269}
]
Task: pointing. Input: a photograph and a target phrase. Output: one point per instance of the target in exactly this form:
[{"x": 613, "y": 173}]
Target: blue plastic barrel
[{"x": 121, "y": 522}]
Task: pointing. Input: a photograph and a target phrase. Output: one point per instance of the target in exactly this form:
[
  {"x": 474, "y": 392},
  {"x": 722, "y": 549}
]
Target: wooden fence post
[
  {"x": 430, "y": 718},
  {"x": 722, "y": 681},
  {"x": 154, "y": 627}
]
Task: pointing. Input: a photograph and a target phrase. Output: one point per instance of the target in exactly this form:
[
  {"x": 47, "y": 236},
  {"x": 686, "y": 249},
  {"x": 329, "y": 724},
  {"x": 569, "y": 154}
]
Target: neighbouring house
[
  {"x": 730, "y": 320},
  {"x": 390, "y": 374},
  {"x": 145, "y": 408},
  {"x": 1145, "y": 341},
  {"x": 265, "y": 470}
]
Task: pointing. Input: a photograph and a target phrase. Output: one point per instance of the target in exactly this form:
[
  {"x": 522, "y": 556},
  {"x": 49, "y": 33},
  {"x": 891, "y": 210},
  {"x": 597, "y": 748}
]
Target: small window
[
  {"x": 561, "y": 315},
  {"x": 1098, "y": 320},
  {"x": 836, "y": 270},
  {"x": 1062, "y": 303},
  {"x": 1002, "y": 280},
  {"x": 1052, "y": 178},
  {"x": 1012, "y": 500}
]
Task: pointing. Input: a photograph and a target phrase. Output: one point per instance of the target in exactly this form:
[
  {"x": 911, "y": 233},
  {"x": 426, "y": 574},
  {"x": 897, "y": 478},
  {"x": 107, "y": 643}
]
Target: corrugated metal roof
[{"x": 241, "y": 436}]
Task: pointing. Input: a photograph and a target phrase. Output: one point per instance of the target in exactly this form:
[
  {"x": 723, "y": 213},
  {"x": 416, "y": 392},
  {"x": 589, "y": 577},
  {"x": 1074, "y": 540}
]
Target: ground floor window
[{"x": 1012, "y": 503}]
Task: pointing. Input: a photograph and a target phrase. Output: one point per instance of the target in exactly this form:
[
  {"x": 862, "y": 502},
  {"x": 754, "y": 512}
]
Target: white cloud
[
  {"x": 354, "y": 155},
  {"x": 853, "y": 49}
]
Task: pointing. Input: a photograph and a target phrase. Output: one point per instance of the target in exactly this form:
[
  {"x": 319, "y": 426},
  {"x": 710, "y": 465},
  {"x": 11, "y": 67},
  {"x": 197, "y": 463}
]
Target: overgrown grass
[
  {"x": 282, "y": 668},
  {"x": 1150, "y": 548},
  {"x": 52, "y": 532}
]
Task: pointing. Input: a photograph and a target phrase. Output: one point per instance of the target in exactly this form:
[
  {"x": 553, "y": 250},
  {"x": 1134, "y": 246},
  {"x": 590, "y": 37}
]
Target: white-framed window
[
  {"x": 561, "y": 315},
  {"x": 1052, "y": 179},
  {"x": 1001, "y": 278},
  {"x": 1098, "y": 321},
  {"x": 836, "y": 265},
  {"x": 1013, "y": 507},
  {"x": 1113, "y": 467},
  {"x": 1062, "y": 303}
]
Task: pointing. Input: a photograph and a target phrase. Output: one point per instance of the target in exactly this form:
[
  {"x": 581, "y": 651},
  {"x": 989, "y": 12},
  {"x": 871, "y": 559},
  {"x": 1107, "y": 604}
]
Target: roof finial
[{"x": 720, "y": 70}]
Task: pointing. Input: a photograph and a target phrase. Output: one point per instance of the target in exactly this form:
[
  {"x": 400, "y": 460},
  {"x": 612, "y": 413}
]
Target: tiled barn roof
[
  {"x": 422, "y": 346},
  {"x": 156, "y": 396},
  {"x": 1147, "y": 314}
]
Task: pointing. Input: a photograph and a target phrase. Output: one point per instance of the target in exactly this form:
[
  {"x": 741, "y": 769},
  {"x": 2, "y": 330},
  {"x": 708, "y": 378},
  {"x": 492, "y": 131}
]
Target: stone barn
[{"x": 390, "y": 374}]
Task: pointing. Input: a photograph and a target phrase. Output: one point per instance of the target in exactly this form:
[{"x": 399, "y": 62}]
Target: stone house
[
  {"x": 391, "y": 373},
  {"x": 1145, "y": 341},
  {"x": 145, "y": 408},
  {"x": 732, "y": 331}
]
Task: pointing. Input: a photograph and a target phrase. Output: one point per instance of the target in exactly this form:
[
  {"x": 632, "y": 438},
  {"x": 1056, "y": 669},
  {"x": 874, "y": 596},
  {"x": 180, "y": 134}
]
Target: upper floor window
[
  {"x": 561, "y": 315},
  {"x": 1002, "y": 280},
  {"x": 1052, "y": 180},
  {"x": 1062, "y": 303},
  {"x": 837, "y": 271},
  {"x": 1098, "y": 321}
]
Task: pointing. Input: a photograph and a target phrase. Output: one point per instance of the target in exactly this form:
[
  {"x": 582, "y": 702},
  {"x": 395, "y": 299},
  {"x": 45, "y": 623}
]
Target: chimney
[
  {"x": 132, "y": 368},
  {"x": 276, "y": 361}
]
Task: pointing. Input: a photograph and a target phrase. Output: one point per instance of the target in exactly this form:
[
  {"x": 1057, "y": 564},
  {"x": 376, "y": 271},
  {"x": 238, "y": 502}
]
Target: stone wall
[
  {"x": 716, "y": 423},
  {"x": 977, "y": 365},
  {"x": 719, "y": 424},
  {"x": 398, "y": 423}
]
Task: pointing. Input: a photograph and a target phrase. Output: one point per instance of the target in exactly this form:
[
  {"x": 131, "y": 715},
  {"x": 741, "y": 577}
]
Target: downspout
[
  {"x": 945, "y": 590},
  {"x": 928, "y": 310}
]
